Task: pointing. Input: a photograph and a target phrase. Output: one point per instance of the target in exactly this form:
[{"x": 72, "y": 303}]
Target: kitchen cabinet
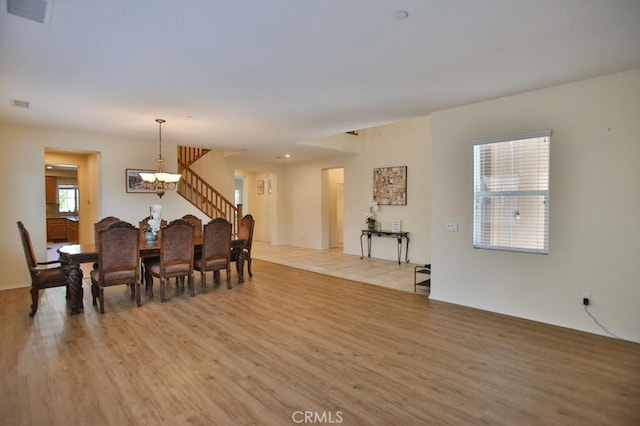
[
  {"x": 62, "y": 229},
  {"x": 72, "y": 231},
  {"x": 51, "y": 189},
  {"x": 57, "y": 229}
]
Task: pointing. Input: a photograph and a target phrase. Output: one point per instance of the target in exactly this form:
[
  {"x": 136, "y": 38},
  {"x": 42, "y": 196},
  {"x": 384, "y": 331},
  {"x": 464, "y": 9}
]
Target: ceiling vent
[
  {"x": 36, "y": 10},
  {"x": 19, "y": 104}
]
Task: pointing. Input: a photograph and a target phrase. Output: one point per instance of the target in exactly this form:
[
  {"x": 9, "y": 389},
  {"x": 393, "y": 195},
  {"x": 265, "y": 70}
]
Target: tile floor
[{"x": 386, "y": 273}]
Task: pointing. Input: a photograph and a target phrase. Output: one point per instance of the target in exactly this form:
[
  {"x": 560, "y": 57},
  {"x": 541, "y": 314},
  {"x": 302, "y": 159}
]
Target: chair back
[
  {"x": 197, "y": 225},
  {"x": 216, "y": 241},
  {"x": 245, "y": 231},
  {"x": 28, "y": 248},
  {"x": 119, "y": 253},
  {"x": 176, "y": 247},
  {"x": 103, "y": 223}
]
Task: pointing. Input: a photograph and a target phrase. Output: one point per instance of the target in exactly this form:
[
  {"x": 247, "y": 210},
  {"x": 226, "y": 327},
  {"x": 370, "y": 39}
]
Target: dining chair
[
  {"x": 118, "y": 261},
  {"x": 100, "y": 225},
  {"x": 245, "y": 232},
  {"x": 197, "y": 225},
  {"x": 103, "y": 223},
  {"x": 176, "y": 256},
  {"x": 43, "y": 274},
  {"x": 216, "y": 252}
]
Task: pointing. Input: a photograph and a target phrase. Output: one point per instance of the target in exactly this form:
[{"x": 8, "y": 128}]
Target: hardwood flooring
[{"x": 290, "y": 343}]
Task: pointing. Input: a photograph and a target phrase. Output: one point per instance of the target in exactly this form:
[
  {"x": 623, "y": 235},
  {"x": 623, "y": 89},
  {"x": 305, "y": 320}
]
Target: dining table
[{"x": 71, "y": 256}]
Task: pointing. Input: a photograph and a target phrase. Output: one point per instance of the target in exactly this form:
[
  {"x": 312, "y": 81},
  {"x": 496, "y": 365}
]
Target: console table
[{"x": 390, "y": 234}]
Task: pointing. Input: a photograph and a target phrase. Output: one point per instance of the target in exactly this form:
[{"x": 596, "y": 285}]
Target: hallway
[{"x": 382, "y": 272}]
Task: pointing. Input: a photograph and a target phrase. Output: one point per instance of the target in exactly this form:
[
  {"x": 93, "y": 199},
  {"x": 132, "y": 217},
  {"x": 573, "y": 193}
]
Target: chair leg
[
  {"x": 192, "y": 292},
  {"x": 94, "y": 294},
  {"x": 203, "y": 275},
  {"x": 137, "y": 290},
  {"x": 149, "y": 285},
  {"x": 162, "y": 282},
  {"x": 229, "y": 277},
  {"x": 133, "y": 290},
  {"x": 34, "y": 300},
  {"x": 248, "y": 260},
  {"x": 101, "y": 298}
]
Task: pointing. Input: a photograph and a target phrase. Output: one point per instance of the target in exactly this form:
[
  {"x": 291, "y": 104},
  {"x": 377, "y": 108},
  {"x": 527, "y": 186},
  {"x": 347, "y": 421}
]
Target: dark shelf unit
[{"x": 424, "y": 282}]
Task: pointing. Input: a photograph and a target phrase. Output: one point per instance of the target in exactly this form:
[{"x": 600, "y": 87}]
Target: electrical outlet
[{"x": 585, "y": 297}]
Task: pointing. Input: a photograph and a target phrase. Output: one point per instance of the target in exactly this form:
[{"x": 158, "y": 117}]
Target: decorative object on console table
[
  {"x": 396, "y": 225},
  {"x": 370, "y": 217},
  {"x": 390, "y": 185}
]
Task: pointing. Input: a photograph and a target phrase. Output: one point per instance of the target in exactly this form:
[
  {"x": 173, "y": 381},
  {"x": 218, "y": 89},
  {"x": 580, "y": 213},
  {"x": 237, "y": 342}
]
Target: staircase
[{"x": 200, "y": 193}]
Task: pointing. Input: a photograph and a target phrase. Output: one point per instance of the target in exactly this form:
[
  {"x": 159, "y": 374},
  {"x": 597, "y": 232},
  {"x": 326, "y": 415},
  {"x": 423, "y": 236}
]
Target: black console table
[{"x": 391, "y": 234}]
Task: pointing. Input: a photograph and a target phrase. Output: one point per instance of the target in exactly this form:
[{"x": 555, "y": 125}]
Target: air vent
[
  {"x": 19, "y": 104},
  {"x": 36, "y": 10}
]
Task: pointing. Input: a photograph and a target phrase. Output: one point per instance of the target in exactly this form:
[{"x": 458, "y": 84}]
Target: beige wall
[
  {"x": 22, "y": 185},
  {"x": 595, "y": 207}
]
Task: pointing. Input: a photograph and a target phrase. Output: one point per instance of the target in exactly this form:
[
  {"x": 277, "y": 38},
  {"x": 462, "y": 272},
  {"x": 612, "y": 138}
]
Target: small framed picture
[
  {"x": 134, "y": 182},
  {"x": 260, "y": 187}
]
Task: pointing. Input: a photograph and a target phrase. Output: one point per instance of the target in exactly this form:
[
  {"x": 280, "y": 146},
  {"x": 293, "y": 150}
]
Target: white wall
[{"x": 595, "y": 207}]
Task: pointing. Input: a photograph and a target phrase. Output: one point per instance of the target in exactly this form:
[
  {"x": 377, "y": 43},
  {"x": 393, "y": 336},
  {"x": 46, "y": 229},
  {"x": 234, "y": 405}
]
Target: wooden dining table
[{"x": 71, "y": 256}]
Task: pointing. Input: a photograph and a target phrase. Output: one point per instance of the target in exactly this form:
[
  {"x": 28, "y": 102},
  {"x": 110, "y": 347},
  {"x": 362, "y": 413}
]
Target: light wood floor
[{"x": 289, "y": 341}]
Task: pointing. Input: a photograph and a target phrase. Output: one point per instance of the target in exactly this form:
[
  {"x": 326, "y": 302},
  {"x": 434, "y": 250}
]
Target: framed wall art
[
  {"x": 134, "y": 181},
  {"x": 260, "y": 187},
  {"x": 390, "y": 185}
]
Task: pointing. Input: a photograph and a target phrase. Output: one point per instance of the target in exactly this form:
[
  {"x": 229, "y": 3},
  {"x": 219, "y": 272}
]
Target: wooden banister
[{"x": 200, "y": 193}]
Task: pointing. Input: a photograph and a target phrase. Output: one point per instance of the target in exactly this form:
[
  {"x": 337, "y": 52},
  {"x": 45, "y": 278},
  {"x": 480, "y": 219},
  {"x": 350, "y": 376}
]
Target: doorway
[
  {"x": 71, "y": 187},
  {"x": 334, "y": 192}
]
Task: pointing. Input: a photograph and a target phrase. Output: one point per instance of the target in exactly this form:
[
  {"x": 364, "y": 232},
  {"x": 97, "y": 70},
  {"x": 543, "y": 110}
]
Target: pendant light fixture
[{"x": 160, "y": 181}]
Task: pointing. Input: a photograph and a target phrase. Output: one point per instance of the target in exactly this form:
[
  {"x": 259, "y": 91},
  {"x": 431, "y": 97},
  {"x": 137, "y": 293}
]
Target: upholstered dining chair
[
  {"x": 103, "y": 223},
  {"x": 176, "y": 256},
  {"x": 118, "y": 261},
  {"x": 100, "y": 225},
  {"x": 245, "y": 232},
  {"x": 216, "y": 252},
  {"x": 43, "y": 274},
  {"x": 197, "y": 225}
]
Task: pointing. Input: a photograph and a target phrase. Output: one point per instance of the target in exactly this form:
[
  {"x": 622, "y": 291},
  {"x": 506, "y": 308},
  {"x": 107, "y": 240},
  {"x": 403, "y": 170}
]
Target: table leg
[
  {"x": 399, "y": 249},
  {"x": 240, "y": 265},
  {"x": 74, "y": 280},
  {"x": 406, "y": 253}
]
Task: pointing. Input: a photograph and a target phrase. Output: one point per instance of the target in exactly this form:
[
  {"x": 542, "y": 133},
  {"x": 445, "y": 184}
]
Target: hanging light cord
[{"x": 160, "y": 136}]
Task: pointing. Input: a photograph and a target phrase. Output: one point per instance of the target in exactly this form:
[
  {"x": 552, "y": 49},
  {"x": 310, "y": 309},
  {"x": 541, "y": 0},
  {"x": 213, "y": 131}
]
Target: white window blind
[{"x": 511, "y": 192}]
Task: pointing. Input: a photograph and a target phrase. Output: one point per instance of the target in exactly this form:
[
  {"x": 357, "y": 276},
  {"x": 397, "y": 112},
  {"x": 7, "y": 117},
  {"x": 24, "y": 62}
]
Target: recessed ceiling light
[{"x": 401, "y": 14}]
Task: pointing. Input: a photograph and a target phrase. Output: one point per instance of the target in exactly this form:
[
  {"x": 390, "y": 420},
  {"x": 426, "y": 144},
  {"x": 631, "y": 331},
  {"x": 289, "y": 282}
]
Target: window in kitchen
[
  {"x": 67, "y": 198},
  {"x": 511, "y": 192}
]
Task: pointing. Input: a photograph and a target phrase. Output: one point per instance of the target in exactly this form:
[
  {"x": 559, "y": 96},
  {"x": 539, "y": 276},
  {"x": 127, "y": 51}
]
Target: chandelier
[{"x": 160, "y": 181}]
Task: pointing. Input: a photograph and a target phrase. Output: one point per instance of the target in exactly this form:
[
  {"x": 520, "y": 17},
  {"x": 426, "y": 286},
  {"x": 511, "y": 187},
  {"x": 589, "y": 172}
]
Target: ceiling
[{"x": 258, "y": 77}]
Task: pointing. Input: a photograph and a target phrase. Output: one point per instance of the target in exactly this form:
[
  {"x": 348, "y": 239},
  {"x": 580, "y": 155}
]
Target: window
[
  {"x": 511, "y": 193},
  {"x": 67, "y": 198}
]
